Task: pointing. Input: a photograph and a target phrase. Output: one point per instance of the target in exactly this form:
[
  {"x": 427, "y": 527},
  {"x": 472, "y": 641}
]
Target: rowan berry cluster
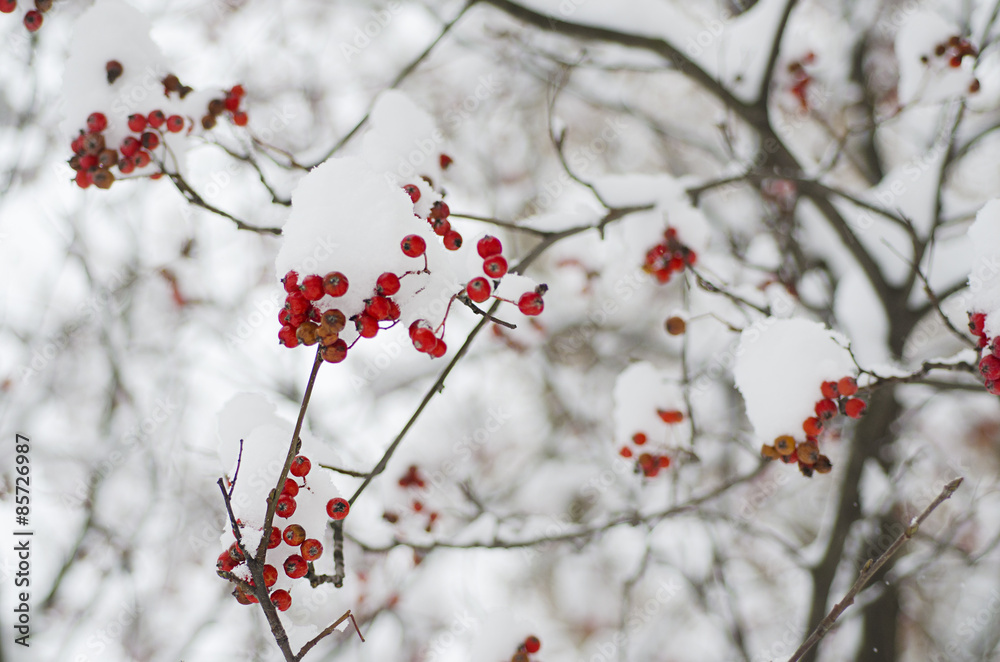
[
  {"x": 801, "y": 80},
  {"x": 413, "y": 480},
  {"x": 650, "y": 464},
  {"x": 305, "y": 549},
  {"x": 668, "y": 257},
  {"x": 837, "y": 398},
  {"x": 989, "y": 363},
  {"x": 33, "y": 17},
  {"x": 952, "y": 52},
  {"x": 529, "y": 646},
  {"x": 229, "y": 106}
]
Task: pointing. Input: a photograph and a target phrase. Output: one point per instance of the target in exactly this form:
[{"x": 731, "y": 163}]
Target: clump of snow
[
  {"x": 933, "y": 80},
  {"x": 779, "y": 368},
  {"x": 640, "y": 390},
  {"x": 984, "y": 277}
]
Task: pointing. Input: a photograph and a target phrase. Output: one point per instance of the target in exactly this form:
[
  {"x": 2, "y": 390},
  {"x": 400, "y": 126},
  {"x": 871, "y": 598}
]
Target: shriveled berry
[
  {"x": 300, "y": 466},
  {"x": 489, "y": 246},
  {"x": 478, "y": 289},
  {"x": 531, "y": 303},
  {"x": 285, "y": 507},
  {"x": 337, "y": 508},
  {"x": 855, "y": 407},
  {"x": 93, "y": 143},
  {"x": 675, "y": 325},
  {"x": 807, "y": 452},
  {"x": 137, "y": 123},
  {"x": 413, "y": 191},
  {"x": 208, "y": 122},
  {"x": 102, "y": 179},
  {"x": 822, "y": 465},
  {"x": 847, "y": 386},
  {"x": 334, "y": 353},
  {"x": 296, "y": 566},
  {"x": 785, "y": 445},
  {"x": 444, "y": 161},
  {"x": 387, "y": 284},
  {"x": 495, "y": 266},
  {"x": 770, "y": 452},
  {"x": 294, "y": 535},
  {"x": 311, "y": 549},
  {"x": 335, "y": 284},
  {"x": 453, "y": 240},
  {"x": 217, "y": 106},
  {"x": 413, "y": 245}
]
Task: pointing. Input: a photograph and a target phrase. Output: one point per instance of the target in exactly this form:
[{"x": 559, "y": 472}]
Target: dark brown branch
[
  {"x": 870, "y": 569},
  {"x": 308, "y": 646},
  {"x": 194, "y": 198},
  {"x": 772, "y": 58}
]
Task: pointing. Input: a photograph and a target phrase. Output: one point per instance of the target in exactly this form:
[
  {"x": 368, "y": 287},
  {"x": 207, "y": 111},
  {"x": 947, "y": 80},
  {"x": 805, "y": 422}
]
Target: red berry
[
  {"x": 225, "y": 562},
  {"x": 439, "y": 210},
  {"x": 366, "y": 325},
  {"x": 175, "y": 124},
  {"x": 232, "y": 104},
  {"x": 287, "y": 337},
  {"x": 413, "y": 245},
  {"x": 639, "y": 438},
  {"x": 452, "y": 240},
  {"x": 625, "y": 451},
  {"x": 290, "y": 281},
  {"x": 156, "y": 119},
  {"x": 378, "y": 307},
  {"x": 812, "y": 426},
  {"x": 394, "y": 311},
  {"x": 424, "y": 340},
  {"x": 300, "y": 466},
  {"x": 955, "y": 61},
  {"x": 237, "y": 91},
  {"x": 126, "y": 166},
  {"x": 33, "y": 20},
  {"x": 495, "y": 266},
  {"x": 296, "y": 566},
  {"x": 413, "y": 191},
  {"x": 532, "y": 644},
  {"x": 141, "y": 159},
  {"x": 854, "y": 407},
  {"x": 297, "y": 303},
  {"x": 97, "y": 122},
  {"x": 334, "y": 353},
  {"x": 285, "y": 507},
  {"x": 270, "y": 575},
  {"x": 82, "y": 179},
  {"x": 829, "y": 390},
  {"x": 240, "y": 118},
  {"x": 439, "y": 349},
  {"x": 294, "y": 534},
  {"x": 478, "y": 289},
  {"x": 989, "y": 366},
  {"x": 335, "y": 284},
  {"x": 993, "y": 387},
  {"x": 670, "y": 417},
  {"x": 311, "y": 549},
  {"x": 445, "y": 161},
  {"x": 7, "y": 6},
  {"x": 531, "y": 303},
  {"x": 150, "y": 140},
  {"x": 312, "y": 288},
  {"x": 440, "y": 226},
  {"x": 88, "y": 161},
  {"x": 825, "y": 409},
  {"x": 136, "y": 123},
  {"x": 130, "y": 147},
  {"x": 275, "y": 538},
  {"x": 291, "y": 488},
  {"x": 282, "y": 599},
  {"x": 663, "y": 461},
  {"x": 977, "y": 321},
  {"x": 387, "y": 284},
  {"x": 847, "y": 386},
  {"x": 489, "y": 246},
  {"x": 337, "y": 508}
]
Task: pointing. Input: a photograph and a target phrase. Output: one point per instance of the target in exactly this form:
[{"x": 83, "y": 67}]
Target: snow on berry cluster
[
  {"x": 135, "y": 109},
  {"x": 984, "y": 289},
  {"x": 33, "y": 17},
  {"x": 299, "y": 538},
  {"x": 780, "y": 363},
  {"x": 837, "y": 398},
  {"x": 644, "y": 427},
  {"x": 935, "y": 61},
  {"x": 380, "y": 249},
  {"x": 668, "y": 257}
]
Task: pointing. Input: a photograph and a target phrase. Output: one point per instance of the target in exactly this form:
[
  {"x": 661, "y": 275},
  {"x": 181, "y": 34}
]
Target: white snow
[
  {"x": 779, "y": 368},
  {"x": 984, "y": 276}
]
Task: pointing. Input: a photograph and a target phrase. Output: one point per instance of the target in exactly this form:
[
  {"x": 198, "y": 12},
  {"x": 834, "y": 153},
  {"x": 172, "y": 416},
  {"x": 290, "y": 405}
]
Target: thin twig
[{"x": 872, "y": 567}]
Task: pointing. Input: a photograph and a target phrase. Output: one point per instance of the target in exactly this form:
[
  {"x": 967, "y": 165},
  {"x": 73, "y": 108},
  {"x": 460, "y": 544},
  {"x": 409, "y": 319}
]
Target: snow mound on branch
[
  {"x": 779, "y": 368},
  {"x": 640, "y": 390},
  {"x": 934, "y": 80},
  {"x": 114, "y": 30},
  {"x": 251, "y": 417},
  {"x": 984, "y": 277}
]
